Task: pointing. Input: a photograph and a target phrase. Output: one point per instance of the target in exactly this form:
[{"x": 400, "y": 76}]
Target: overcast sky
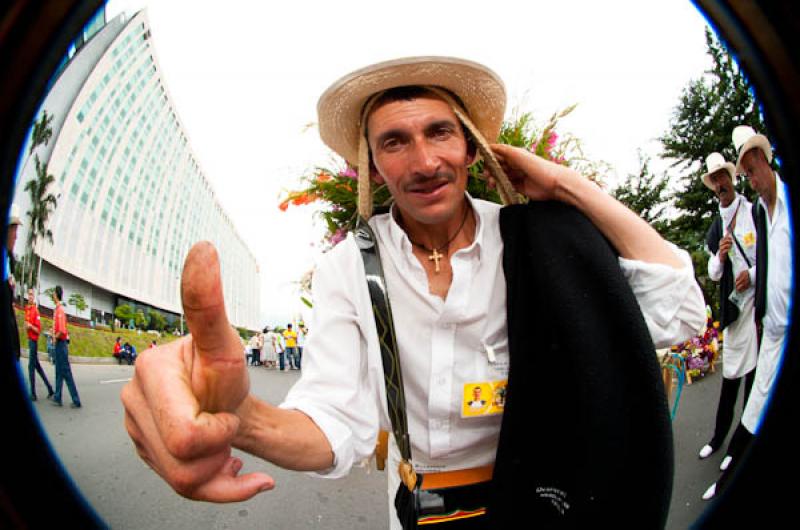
[{"x": 245, "y": 77}]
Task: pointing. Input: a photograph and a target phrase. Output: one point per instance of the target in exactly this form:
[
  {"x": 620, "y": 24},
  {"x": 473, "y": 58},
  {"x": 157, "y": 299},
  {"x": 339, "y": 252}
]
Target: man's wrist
[{"x": 572, "y": 188}]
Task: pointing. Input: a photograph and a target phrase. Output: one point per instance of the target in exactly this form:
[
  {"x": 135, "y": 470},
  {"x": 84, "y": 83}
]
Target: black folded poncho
[{"x": 586, "y": 439}]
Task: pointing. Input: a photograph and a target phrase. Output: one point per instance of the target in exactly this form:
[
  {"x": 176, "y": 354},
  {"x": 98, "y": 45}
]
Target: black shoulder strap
[
  {"x": 714, "y": 234},
  {"x": 393, "y": 377}
]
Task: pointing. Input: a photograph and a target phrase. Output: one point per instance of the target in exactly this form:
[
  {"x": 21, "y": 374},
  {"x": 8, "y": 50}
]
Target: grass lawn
[{"x": 87, "y": 342}]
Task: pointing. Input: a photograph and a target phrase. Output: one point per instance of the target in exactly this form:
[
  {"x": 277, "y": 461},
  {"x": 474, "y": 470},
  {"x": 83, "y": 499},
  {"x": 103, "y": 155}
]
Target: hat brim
[
  {"x": 728, "y": 166},
  {"x": 757, "y": 141},
  {"x": 339, "y": 108}
]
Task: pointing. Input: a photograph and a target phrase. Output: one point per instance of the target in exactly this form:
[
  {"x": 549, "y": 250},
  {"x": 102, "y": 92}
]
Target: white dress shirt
[
  {"x": 443, "y": 344},
  {"x": 779, "y": 291},
  {"x": 740, "y": 348}
]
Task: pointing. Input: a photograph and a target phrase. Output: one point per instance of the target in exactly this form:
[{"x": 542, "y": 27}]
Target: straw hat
[
  {"x": 339, "y": 108},
  {"x": 715, "y": 162},
  {"x": 14, "y": 218},
  {"x": 745, "y": 139},
  {"x": 342, "y": 107}
]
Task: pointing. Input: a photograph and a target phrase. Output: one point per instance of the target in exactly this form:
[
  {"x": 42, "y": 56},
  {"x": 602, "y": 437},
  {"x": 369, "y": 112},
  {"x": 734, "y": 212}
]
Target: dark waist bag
[{"x": 456, "y": 508}]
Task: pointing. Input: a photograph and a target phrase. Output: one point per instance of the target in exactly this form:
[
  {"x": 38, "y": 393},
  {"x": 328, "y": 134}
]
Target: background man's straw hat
[
  {"x": 745, "y": 139},
  {"x": 339, "y": 108},
  {"x": 14, "y": 218},
  {"x": 715, "y": 162}
]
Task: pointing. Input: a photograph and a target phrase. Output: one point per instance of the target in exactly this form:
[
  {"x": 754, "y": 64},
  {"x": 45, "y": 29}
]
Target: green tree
[
  {"x": 42, "y": 131},
  {"x": 157, "y": 320},
  {"x": 50, "y": 292},
  {"x": 702, "y": 122},
  {"x": 43, "y": 204},
  {"x": 646, "y": 194},
  {"x": 124, "y": 313},
  {"x": 77, "y": 300},
  {"x": 140, "y": 320}
]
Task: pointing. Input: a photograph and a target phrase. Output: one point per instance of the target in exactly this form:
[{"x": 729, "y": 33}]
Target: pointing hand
[{"x": 180, "y": 405}]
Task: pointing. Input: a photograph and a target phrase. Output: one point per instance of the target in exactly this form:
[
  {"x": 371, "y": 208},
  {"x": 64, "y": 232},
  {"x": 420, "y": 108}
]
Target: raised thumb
[{"x": 219, "y": 366}]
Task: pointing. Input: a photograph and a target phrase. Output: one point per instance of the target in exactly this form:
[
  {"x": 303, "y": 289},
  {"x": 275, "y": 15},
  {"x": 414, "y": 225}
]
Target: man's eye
[{"x": 391, "y": 144}]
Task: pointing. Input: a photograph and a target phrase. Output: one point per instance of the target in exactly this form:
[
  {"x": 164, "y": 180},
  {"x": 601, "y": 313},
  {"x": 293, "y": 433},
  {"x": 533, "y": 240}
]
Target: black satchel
[{"x": 457, "y": 508}]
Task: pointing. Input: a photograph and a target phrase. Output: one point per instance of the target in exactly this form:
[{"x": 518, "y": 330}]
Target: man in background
[
  {"x": 773, "y": 283},
  {"x": 290, "y": 337},
  {"x": 33, "y": 325},
  {"x": 61, "y": 337},
  {"x": 731, "y": 244}
]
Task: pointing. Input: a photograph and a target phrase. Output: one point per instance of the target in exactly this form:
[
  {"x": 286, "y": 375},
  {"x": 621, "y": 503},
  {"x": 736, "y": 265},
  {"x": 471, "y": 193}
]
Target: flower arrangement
[
  {"x": 701, "y": 351},
  {"x": 338, "y": 188}
]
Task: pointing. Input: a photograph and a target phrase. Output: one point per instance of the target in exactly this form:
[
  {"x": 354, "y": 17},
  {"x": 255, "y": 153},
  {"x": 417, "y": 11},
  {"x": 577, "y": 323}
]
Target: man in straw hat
[
  {"x": 413, "y": 125},
  {"x": 773, "y": 283},
  {"x": 731, "y": 243}
]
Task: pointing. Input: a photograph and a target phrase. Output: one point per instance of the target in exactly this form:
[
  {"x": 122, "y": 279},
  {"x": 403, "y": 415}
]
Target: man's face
[
  {"x": 30, "y": 296},
  {"x": 761, "y": 177},
  {"x": 420, "y": 153},
  {"x": 723, "y": 186}
]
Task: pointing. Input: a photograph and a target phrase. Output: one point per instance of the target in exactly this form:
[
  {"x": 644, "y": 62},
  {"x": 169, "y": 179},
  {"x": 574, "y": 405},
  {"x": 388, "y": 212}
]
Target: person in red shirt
[
  {"x": 33, "y": 325},
  {"x": 61, "y": 336},
  {"x": 117, "y": 350}
]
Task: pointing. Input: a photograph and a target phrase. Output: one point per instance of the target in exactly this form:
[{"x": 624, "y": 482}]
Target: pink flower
[
  {"x": 348, "y": 172},
  {"x": 551, "y": 140},
  {"x": 338, "y": 237}
]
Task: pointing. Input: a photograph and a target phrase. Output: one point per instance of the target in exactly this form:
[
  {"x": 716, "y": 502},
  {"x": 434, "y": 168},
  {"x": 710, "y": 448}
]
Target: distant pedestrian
[
  {"x": 117, "y": 352},
  {"x": 270, "y": 348},
  {"x": 290, "y": 337},
  {"x": 33, "y": 325},
  {"x": 61, "y": 336},
  {"x": 301, "y": 342}
]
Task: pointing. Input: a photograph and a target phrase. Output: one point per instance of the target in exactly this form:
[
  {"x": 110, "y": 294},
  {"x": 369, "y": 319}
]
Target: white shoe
[
  {"x": 710, "y": 492},
  {"x": 706, "y": 451},
  {"x": 725, "y": 463}
]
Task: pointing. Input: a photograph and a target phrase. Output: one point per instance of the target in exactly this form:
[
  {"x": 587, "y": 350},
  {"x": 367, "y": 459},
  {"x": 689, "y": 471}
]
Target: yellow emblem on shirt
[
  {"x": 483, "y": 398},
  {"x": 749, "y": 239}
]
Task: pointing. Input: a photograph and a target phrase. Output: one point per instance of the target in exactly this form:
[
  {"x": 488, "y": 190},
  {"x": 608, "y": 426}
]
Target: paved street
[{"x": 98, "y": 454}]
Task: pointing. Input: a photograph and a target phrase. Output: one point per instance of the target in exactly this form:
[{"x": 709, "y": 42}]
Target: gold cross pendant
[{"x": 435, "y": 257}]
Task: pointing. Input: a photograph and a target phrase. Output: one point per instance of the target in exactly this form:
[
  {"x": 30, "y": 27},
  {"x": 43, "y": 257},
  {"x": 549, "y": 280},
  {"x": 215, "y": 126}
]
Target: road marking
[{"x": 115, "y": 381}]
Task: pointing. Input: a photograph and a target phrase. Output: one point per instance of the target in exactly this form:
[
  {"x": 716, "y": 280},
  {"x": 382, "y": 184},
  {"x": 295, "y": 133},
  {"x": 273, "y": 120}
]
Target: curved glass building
[{"x": 132, "y": 198}]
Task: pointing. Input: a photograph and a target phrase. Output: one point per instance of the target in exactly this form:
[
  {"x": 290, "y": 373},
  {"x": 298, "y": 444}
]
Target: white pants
[{"x": 769, "y": 359}]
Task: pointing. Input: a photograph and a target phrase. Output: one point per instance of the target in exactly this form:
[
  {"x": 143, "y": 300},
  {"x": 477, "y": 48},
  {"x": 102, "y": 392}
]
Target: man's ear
[
  {"x": 374, "y": 175},
  {"x": 472, "y": 153}
]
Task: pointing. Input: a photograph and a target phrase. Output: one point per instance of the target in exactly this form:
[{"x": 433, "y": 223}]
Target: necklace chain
[{"x": 435, "y": 254}]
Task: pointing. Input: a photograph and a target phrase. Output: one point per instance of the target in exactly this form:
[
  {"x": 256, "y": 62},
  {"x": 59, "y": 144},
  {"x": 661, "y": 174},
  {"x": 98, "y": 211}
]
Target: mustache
[{"x": 440, "y": 177}]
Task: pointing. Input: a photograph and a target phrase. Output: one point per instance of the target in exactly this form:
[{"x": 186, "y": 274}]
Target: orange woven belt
[{"x": 459, "y": 477}]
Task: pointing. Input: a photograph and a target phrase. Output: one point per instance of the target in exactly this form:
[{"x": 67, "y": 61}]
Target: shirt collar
[
  {"x": 780, "y": 195},
  {"x": 399, "y": 239}
]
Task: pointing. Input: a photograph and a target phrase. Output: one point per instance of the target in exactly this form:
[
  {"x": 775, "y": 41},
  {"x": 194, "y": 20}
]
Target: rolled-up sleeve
[
  {"x": 670, "y": 299},
  {"x": 335, "y": 389}
]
